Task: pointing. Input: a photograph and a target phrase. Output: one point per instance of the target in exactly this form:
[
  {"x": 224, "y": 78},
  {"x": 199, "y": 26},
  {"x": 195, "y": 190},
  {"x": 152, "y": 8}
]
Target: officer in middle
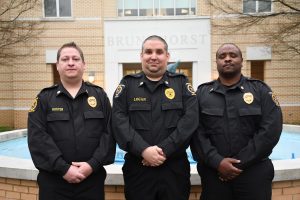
[{"x": 154, "y": 116}]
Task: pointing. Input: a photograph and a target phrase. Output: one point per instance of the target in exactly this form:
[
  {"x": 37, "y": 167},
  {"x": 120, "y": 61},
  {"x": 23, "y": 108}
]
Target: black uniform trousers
[
  {"x": 170, "y": 181},
  {"x": 254, "y": 183},
  {"x": 54, "y": 187}
]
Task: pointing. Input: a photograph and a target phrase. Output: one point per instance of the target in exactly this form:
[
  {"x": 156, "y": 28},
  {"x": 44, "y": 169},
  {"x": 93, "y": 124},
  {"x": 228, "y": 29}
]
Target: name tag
[
  {"x": 57, "y": 109},
  {"x": 140, "y": 99}
]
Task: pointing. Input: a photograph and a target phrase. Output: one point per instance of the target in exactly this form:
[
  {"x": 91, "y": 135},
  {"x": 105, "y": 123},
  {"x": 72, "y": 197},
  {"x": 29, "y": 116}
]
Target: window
[
  {"x": 146, "y": 8},
  {"x": 255, "y": 6},
  {"x": 57, "y": 8},
  {"x": 131, "y": 8},
  {"x": 185, "y": 7},
  {"x": 184, "y": 68},
  {"x": 257, "y": 70},
  {"x": 53, "y": 73},
  {"x": 156, "y": 7},
  {"x": 131, "y": 68},
  {"x": 166, "y": 7}
]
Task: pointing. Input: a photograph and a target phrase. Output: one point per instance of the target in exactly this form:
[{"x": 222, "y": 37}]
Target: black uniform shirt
[
  {"x": 243, "y": 122},
  {"x": 146, "y": 113},
  {"x": 63, "y": 129}
]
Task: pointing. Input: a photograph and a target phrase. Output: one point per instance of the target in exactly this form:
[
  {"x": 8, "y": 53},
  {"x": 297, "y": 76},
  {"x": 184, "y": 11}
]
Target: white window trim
[
  {"x": 256, "y": 8},
  {"x": 57, "y": 11},
  {"x": 153, "y": 9}
]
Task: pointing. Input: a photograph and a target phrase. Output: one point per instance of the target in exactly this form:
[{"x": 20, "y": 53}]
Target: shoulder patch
[
  {"x": 274, "y": 98},
  {"x": 190, "y": 88},
  {"x": 34, "y": 105},
  {"x": 119, "y": 90}
]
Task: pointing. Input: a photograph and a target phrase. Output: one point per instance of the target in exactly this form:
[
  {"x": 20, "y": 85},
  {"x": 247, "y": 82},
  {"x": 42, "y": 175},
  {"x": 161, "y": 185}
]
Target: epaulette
[
  {"x": 49, "y": 88},
  {"x": 252, "y": 79},
  {"x": 92, "y": 84},
  {"x": 174, "y": 74},
  {"x": 259, "y": 81},
  {"x": 255, "y": 80},
  {"x": 138, "y": 75},
  {"x": 207, "y": 83}
]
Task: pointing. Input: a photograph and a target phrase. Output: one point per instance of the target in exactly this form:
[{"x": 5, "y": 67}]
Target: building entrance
[{"x": 184, "y": 67}]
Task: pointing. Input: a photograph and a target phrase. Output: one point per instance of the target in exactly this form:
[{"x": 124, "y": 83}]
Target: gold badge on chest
[
  {"x": 170, "y": 93},
  {"x": 248, "y": 97},
  {"x": 92, "y": 101}
]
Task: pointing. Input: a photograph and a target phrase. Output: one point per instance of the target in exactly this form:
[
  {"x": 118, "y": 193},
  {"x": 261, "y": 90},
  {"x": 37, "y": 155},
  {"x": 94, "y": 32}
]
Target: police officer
[
  {"x": 239, "y": 124},
  {"x": 154, "y": 115},
  {"x": 69, "y": 133}
]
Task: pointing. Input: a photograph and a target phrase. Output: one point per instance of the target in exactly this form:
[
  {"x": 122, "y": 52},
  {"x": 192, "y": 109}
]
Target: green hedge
[{"x": 5, "y": 128}]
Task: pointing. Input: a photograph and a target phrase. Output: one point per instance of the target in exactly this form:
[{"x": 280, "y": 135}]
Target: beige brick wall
[
  {"x": 7, "y": 118},
  {"x": 291, "y": 114},
  {"x": 16, "y": 189},
  {"x": 20, "y": 119},
  {"x": 6, "y": 96}
]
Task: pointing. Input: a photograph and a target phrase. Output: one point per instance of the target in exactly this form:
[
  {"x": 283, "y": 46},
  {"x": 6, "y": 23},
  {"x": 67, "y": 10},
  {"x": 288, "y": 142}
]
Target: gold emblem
[
  {"x": 170, "y": 93},
  {"x": 190, "y": 88},
  {"x": 33, "y": 107},
  {"x": 248, "y": 97},
  {"x": 119, "y": 90},
  {"x": 274, "y": 98},
  {"x": 92, "y": 102}
]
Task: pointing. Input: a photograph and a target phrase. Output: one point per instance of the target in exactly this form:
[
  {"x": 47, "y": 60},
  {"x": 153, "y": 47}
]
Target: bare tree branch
[
  {"x": 285, "y": 33},
  {"x": 14, "y": 30}
]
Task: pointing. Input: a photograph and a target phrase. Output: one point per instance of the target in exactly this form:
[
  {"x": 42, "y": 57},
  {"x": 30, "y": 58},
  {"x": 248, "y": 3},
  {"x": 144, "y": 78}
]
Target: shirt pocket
[
  {"x": 213, "y": 120},
  {"x": 140, "y": 116},
  {"x": 57, "y": 125},
  {"x": 249, "y": 119},
  {"x": 173, "y": 112},
  {"x": 94, "y": 123}
]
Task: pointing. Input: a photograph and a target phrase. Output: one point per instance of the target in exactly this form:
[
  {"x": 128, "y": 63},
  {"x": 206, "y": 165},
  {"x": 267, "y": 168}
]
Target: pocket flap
[
  {"x": 171, "y": 106},
  {"x": 213, "y": 111},
  {"x": 139, "y": 106},
  {"x": 93, "y": 114},
  {"x": 58, "y": 116},
  {"x": 250, "y": 111}
]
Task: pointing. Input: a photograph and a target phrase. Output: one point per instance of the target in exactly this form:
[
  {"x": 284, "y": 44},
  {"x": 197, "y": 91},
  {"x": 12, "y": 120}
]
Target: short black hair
[
  {"x": 156, "y": 37},
  {"x": 72, "y": 45},
  {"x": 239, "y": 50}
]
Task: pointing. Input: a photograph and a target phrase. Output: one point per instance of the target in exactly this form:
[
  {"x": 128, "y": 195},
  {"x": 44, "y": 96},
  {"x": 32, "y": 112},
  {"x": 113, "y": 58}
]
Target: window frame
[
  {"x": 58, "y": 11},
  {"x": 154, "y": 13},
  {"x": 257, "y": 8}
]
